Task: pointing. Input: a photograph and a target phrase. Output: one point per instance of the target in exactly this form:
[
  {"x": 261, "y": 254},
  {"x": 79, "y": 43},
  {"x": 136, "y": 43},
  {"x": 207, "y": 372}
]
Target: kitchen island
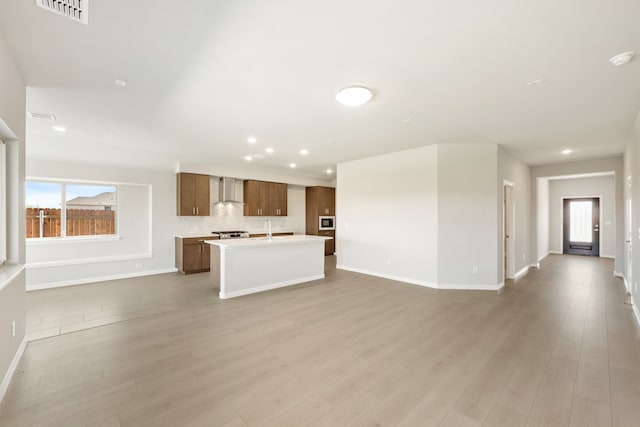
[{"x": 246, "y": 266}]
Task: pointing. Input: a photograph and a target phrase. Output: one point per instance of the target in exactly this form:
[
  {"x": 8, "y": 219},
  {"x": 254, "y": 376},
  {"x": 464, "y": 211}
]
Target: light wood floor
[{"x": 558, "y": 347}]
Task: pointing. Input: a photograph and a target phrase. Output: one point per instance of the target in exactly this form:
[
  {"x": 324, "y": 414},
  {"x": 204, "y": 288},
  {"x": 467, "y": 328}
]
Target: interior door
[{"x": 581, "y": 226}]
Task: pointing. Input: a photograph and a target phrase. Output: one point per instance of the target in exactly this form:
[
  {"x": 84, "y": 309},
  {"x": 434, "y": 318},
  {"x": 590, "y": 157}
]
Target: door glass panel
[{"x": 581, "y": 221}]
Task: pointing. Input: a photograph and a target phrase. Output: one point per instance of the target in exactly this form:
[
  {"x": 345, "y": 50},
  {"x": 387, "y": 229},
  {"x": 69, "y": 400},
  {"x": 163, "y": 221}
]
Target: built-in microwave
[{"x": 327, "y": 223}]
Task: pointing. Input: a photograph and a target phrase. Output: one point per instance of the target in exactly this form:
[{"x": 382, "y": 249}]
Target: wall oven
[{"x": 327, "y": 223}]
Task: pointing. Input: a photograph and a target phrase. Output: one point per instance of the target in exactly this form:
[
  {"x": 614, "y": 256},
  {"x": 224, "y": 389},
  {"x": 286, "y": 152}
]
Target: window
[{"x": 57, "y": 209}]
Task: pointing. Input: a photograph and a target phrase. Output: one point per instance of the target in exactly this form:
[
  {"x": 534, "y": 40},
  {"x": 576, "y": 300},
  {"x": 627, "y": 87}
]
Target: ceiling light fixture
[
  {"x": 59, "y": 128},
  {"x": 292, "y": 165},
  {"x": 354, "y": 96},
  {"x": 252, "y": 140},
  {"x": 304, "y": 151},
  {"x": 329, "y": 171},
  {"x": 248, "y": 158},
  {"x": 120, "y": 83},
  {"x": 269, "y": 150},
  {"x": 621, "y": 58},
  {"x": 567, "y": 151},
  {"x": 536, "y": 82}
]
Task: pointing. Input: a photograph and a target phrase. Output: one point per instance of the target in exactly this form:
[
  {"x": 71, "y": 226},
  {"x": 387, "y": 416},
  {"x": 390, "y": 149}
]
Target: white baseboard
[
  {"x": 543, "y": 257},
  {"x": 388, "y": 276},
  {"x": 607, "y": 256},
  {"x": 535, "y": 265},
  {"x": 227, "y": 295},
  {"x": 4, "y": 386},
  {"x": 627, "y": 285},
  {"x": 467, "y": 287},
  {"x": 98, "y": 279},
  {"x": 554, "y": 253},
  {"x": 521, "y": 273}
]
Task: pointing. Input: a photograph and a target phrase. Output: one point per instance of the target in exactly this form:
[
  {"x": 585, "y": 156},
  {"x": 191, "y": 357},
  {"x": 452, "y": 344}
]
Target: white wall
[
  {"x": 601, "y": 186},
  {"x": 467, "y": 215},
  {"x": 12, "y": 277},
  {"x": 387, "y": 215},
  {"x": 611, "y": 164},
  {"x": 146, "y": 213},
  {"x": 632, "y": 191},
  {"x": 542, "y": 227},
  {"x": 519, "y": 173}
]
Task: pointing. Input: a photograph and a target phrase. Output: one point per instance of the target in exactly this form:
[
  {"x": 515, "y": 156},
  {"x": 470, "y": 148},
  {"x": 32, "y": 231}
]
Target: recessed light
[
  {"x": 621, "y": 58},
  {"x": 567, "y": 151},
  {"x": 120, "y": 83},
  {"x": 329, "y": 171},
  {"x": 304, "y": 151},
  {"x": 252, "y": 140},
  {"x": 354, "y": 96},
  {"x": 60, "y": 128},
  {"x": 248, "y": 158},
  {"x": 269, "y": 150},
  {"x": 292, "y": 165},
  {"x": 407, "y": 120}
]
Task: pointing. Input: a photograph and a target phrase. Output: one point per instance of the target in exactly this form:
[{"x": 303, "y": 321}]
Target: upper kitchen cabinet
[
  {"x": 320, "y": 201},
  {"x": 193, "y": 194},
  {"x": 263, "y": 198}
]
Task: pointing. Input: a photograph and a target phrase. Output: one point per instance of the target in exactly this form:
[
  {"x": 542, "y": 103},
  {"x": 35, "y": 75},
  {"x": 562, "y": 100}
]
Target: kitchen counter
[
  {"x": 191, "y": 236},
  {"x": 246, "y": 266}
]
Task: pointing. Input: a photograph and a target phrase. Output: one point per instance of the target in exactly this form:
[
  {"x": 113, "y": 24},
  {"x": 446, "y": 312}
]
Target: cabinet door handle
[
  {"x": 197, "y": 210},
  {"x": 193, "y": 210}
]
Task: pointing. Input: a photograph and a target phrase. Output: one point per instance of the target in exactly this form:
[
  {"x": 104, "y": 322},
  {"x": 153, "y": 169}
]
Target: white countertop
[
  {"x": 261, "y": 231},
  {"x": 263, "y": 241}
]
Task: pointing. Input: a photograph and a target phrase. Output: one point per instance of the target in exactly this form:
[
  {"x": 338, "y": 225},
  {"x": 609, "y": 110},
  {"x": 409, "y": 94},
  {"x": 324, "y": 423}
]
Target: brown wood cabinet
[
  {"x": 262, "y": 198},
  {"x": 320, "y": 201},
  {"x": 193, "y": 194},
  {"x": 192, "y": 254},
  {"x": 329, "y": 245}
]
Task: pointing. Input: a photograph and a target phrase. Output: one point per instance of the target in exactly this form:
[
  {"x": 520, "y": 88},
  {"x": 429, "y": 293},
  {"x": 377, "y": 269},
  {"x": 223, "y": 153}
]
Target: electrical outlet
[
  {"x": 388, "y": 261},
  {"x": 475, "y": 270},
  {"x": 524, "y": 257},
  {"x": 139, "y": 265},
  {"x": 13, "y": 329},
  {"x": 636, "y": 286}
]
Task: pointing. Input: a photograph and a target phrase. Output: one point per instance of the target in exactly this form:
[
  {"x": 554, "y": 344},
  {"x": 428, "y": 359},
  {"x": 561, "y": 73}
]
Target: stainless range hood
[{"x": 227, "y": 193}]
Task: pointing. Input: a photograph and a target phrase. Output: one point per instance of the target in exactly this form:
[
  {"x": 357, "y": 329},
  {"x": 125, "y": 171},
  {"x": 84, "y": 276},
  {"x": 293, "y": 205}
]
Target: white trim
[
  {"x": 555, "y": 253},
  {"x": 541, "y": 258},
  {"x": 4, "y": 386},
  {"x": 98, "y": 279},
  {"x": 535, "y": 265},
  {"x": 478, "y": 287},
  {"x": 79, "y": 261},
  {"x": 615, "y": 273},
  {"x": 269, "y": 287},
  {"x": 521, "y": 273},
  {"x": 388, "y": 276},
  {"x": 508, "y": 183},
  {"x": 608, "y": 256},
  {"x": 8, "y": 274},
  {"x": 624, "y": 280},
  {"x": 72, "y": 239}
]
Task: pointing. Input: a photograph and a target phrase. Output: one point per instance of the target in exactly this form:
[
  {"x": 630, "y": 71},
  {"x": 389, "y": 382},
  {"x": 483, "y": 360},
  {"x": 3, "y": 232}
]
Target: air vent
[
  {"x": 42, "y": 116},
  {"x": 76, "y": 10}
]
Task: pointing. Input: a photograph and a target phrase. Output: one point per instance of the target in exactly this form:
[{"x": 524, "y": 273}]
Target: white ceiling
[{"x": 203, "y": 75}]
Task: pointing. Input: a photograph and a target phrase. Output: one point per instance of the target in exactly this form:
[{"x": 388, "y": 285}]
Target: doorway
[
  {"x": 629, "y": 238},
  {"x": 508, "y": 231},
  {"x": 581, "y": 226}
]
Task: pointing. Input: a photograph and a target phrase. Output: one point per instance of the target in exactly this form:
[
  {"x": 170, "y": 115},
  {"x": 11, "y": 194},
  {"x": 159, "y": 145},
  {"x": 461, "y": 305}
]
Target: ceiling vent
[
  {"x": 42, "y": 116},
  {"x": 76, "y": 10}
]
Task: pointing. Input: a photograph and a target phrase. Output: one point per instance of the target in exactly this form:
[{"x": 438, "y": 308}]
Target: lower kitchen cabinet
[
  {"x": 288, "y": 233},
  {"x": 329, "y": 245},
  {"x": 193, "y": 255}
]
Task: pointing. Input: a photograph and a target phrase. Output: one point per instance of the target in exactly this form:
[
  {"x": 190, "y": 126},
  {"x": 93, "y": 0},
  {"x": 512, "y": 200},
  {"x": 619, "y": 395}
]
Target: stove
[{"x": 232, "y": 234}]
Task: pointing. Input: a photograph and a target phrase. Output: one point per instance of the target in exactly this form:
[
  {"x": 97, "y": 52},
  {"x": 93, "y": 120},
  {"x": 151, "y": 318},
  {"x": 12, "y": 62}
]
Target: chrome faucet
[{"x": 269, "y": 234}]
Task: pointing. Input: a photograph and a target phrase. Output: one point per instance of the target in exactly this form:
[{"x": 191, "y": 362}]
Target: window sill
[{"x": 76, "y": 239}]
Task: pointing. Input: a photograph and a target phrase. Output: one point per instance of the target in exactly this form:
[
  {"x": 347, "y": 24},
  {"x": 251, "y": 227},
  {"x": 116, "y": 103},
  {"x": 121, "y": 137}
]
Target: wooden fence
[{"x": 80, "y": 222}]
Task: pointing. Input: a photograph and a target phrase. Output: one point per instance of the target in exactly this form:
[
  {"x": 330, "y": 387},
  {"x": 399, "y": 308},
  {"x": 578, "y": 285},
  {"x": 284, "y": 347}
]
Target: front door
[{"x": 581, "y": 229}]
